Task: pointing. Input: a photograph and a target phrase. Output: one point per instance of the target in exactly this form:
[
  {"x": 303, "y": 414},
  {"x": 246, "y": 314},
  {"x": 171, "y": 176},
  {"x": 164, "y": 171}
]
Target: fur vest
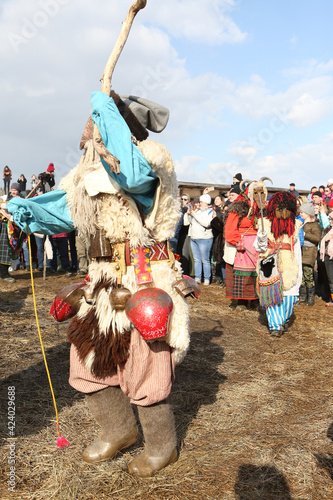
[{"x": 98, "y": 329}]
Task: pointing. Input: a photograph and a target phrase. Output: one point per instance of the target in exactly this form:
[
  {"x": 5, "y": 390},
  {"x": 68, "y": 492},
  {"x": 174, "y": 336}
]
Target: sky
[{"x": 248, "y": 83}]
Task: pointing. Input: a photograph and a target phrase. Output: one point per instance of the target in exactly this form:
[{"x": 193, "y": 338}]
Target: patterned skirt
[
  {"x": 239, "y": 287},
  {"x": 4, "y": 244}
]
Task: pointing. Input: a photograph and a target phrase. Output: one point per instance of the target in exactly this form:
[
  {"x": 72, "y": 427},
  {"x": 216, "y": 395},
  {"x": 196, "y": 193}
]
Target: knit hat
[
  {"x": 206, "y": 198},
  {"x": 317, "y": 193},
  {"x": 239, "y": 177},
  {"x": 330, "y": 181},
  {"x": 307, "y": 208},
  {"x": 330, "y": 203},
  {"x": 235, "y": 189},
  {"x": 50, "y": 168},
  {"x": 15, "y": 185}
]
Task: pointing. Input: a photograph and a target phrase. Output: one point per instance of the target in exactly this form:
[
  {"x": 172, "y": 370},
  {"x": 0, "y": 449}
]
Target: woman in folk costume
[
  {"x": 123, "y": 195},
  {"x": 280, "y": 261},
  {"x": 239, "y": 254}
]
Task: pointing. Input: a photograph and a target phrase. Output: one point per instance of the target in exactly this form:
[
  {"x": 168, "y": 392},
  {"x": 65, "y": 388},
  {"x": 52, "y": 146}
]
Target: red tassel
[{"x": 61, "y": 442}]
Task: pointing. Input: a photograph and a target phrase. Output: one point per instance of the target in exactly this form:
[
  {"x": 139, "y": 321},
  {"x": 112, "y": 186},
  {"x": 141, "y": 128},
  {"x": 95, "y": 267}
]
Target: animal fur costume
[
  {"x": 110, "y": 361},
  {"x": 281, "y": 235},
  {"x": 98, "y": 203},
  {"x": 117, "y": 214}
]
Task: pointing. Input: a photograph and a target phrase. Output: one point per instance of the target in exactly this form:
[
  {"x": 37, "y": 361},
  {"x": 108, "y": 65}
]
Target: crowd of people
[
  {"x": 217, "y": 240},
  {"x": 220, "y": 240},
  {"x": 58, "y": 253}
]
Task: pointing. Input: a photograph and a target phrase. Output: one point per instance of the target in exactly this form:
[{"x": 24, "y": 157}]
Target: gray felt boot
[
  {"x": 113, "y": 412},
  {"x": 158, "y": 425}
]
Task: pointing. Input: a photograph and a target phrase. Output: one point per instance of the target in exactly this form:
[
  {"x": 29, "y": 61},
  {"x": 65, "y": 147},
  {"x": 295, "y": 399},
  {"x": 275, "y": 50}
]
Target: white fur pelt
[
  {"x": 178, "y": 336},
  {"x": 117, "y": 214}
]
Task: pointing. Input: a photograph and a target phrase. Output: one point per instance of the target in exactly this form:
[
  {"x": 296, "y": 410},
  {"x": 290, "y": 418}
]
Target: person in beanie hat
[
  {"x": 312, "y": 236},
  {"x": 237, "y": 179},
  {"x": 16, "y": 187},
  {"x": 47, "y": 179}
]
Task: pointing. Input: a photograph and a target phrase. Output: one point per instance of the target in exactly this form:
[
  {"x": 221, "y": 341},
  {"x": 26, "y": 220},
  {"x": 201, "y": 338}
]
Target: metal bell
[{"x": 149, "y": 310}]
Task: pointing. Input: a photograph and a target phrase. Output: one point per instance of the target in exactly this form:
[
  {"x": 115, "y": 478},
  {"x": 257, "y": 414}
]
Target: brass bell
[
  {"x": 72, "y": 294},
  {"x": 187, "y": 287},
  {"x": 87, "y": 292},
  {"x": 119, "y": 297}
]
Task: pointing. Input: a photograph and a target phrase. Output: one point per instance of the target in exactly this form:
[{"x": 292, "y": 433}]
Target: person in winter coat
[
  {"x": 218, "y": 243},
  {"x": 22, "y": 182},
  {"x": 326, "y": 255},
  {"x": 201, "y": 236},
  {"x": 312, "y": 236},
  {"x": 7, "y": 177}
]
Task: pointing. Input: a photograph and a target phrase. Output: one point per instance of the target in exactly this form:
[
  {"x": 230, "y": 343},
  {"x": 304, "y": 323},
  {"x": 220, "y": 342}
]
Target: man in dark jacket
[{"x": 312, "y": 236}]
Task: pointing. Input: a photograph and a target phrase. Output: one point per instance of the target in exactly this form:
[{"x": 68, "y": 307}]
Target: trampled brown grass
[{"x": 254, "y": 414}]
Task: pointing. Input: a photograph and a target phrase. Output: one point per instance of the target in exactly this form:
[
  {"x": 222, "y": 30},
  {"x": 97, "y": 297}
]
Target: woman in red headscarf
[{"x": 239, "y": 254}]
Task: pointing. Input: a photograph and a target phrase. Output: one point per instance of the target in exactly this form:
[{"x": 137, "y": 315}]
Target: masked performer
[
  {"x": 239, "y": 254},
  {"x": 129, "y": 217},
  {"x": 280, "y": 261}
]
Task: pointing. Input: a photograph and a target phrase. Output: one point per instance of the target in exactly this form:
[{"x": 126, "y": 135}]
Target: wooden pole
[{"x": 119, "y": 45}]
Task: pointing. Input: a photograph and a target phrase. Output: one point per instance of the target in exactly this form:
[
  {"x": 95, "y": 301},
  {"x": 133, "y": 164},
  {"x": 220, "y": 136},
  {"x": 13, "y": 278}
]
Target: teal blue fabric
[
  {"x": 46, "y": 214},
  {"x": 136, "y": 176}
]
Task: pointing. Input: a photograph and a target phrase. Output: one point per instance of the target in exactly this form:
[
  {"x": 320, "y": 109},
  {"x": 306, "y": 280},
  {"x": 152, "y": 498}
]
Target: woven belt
[
  {"x": 141, "y": 258},
  {"x": 280, "y": 246},
  {"x": 157, "y": 252}
]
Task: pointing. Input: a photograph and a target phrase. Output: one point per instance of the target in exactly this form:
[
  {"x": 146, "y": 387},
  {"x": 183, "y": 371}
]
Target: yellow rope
[{"x": 39, "y": 333}]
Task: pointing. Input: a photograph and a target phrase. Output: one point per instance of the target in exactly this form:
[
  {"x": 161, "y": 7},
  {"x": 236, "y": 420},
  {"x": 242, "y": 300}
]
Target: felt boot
[
  {"x": 311, "y": 296},
  {"x": 113, "y": 412},
  {"x": 303, "y": 293},
  {"x": 4, "y": 274},
  {"x": 159, "y": 431}
]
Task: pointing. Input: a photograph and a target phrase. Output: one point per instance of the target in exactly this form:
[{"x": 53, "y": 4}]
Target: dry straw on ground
[{"x": 254, "y": 414}]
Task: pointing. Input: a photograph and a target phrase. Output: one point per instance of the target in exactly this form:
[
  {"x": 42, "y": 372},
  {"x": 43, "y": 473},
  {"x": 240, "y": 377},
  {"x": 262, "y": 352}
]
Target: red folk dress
[{"x": 241, "y": 277}]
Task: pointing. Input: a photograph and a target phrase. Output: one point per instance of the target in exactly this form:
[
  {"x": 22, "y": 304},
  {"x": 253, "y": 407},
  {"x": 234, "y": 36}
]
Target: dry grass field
[{"x": 254, "y": 414}]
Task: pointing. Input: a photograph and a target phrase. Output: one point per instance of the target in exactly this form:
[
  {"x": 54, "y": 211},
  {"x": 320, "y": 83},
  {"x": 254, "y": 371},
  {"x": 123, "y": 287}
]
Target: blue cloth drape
[
  {"x": 136, "y": 176},
  {"x": 45, "y": 214}
]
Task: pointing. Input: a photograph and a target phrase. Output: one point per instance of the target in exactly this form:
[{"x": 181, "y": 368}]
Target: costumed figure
[
  {"x": 239, "y": 254},
  {"x": 131, "y": 322},
  {"x": 280, "y": 261}
]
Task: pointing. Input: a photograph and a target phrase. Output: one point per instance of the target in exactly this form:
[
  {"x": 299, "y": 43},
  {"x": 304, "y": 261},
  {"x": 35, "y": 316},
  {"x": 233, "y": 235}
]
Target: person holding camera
[
  {"x": 47, "y": 178},
  {"x": 201, "y": 234}
]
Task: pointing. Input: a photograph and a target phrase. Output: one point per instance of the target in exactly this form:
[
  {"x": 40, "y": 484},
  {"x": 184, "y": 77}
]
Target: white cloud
[
  {"x": 206, "y": 22},
  {"x": 307, "y": 110},
  {"x": 244, "y": 151},
  {"x": 45, "y": 85}
]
